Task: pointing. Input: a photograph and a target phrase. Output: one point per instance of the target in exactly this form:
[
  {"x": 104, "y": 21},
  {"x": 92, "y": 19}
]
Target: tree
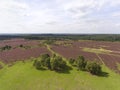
[
  {"x": 21, "y": 45},
  {"x": 94, "y": 68},
  {"x": 37, "y": 64},
  {"x": 49, "y": 42},
  {"x": 47, "y": 63},
  {"x": 44, "y": 56},
  {"x": 81, "y": 63},
  {"x": 43, "y": 62},
  {"x": 58, "y": 64},
  {"x": 54, "y": 55},
  {"x": 34, "y": 63},
  {"x": 71, "y": 61},
  {"x": 6, "y": 47}
]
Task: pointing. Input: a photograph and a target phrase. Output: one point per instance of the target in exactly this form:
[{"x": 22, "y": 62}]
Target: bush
[
  {"x": 44, "y": 56},
  {"x": 94, "y": 68},
  {"x": 71, "y": 61},
  {"x": 21, "y": 45},
  {"x": 49, "y": 42},
  {"x": 81, "y": 63},
  {"x": 6, "y": 47},
  {"x": 37, "y": 64},
  {"x": 45, "y": 61},
  {"x": 34, "y": 63},
  {"x": 58, "y": 64},
  {"x": 54, "y": 55}
]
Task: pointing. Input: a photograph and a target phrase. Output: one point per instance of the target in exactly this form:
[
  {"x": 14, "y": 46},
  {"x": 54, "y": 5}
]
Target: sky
[{"x": 60, "y": 16}]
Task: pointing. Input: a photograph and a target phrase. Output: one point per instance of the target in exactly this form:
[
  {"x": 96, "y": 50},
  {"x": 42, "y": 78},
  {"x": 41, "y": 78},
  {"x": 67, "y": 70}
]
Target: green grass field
[
  {"x": 98, "y": 51},
  {"x": 23, "y": 76}
]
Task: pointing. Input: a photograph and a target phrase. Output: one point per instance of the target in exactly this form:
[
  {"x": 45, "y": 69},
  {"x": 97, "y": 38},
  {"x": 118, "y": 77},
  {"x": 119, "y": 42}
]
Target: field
[
  {"x": 107, "y": 53},
  {"x": 17, "y": 71},
  {"x": 23, "y": 76},
  {"x": 29, "y": 49}
]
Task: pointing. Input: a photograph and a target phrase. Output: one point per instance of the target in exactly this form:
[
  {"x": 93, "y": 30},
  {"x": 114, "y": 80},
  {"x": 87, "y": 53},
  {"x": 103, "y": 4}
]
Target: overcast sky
[{"x": 59, "y": 16}]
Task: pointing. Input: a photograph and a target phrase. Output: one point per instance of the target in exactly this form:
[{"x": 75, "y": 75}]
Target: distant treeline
[{"x": 97, "y": 37}]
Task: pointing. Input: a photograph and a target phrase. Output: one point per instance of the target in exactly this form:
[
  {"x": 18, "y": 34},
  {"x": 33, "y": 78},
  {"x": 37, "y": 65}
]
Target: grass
[
  {"x": 23, "y": 76},
  {"x": 98, "y": 51},
  {"x": 118, "y": 65}
]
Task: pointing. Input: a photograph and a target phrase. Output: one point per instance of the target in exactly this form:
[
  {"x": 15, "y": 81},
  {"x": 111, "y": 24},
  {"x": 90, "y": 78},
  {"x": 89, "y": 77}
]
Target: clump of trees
[
  {"x": 81, "y": 63},
  {"x": 93, "y": 68},
  {"x": 49, "y": 42},
  {"x": 72, "y": 61},
  {"x": 6, "y": 47},
  {"x": 55, "y": 63},
  {"x": 43, "y": 62},
  {"x": 58, "y": 64},
  {"x": 25, "y": 47},
  {"x": 84, "y": 65}
]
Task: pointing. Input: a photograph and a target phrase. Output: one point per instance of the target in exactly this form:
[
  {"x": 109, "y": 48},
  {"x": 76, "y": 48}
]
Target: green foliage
[
  {"x": 54, "y": 55},
  {"x": 6, "y": 47},
  {"x": 58, "y": 64},
  {"x": 81, "y": 63},
  {"x": 44, "y": 56},
  {"x": 24, "y": 46},
  {"x": 55, "y": 63},
  {"x": 96, "y": 37},
  {"x": 37, "y": 64},
  {"x": 43, "y": 62},
  {"x": 47, "y": 63},
  {"x": 94, "y": 68},
  {"x": 71, "y": 61},
  {"x": 49, "y": 41},
  {"x": 21, "y": 45},
  {"x": 34, "y": 63}
]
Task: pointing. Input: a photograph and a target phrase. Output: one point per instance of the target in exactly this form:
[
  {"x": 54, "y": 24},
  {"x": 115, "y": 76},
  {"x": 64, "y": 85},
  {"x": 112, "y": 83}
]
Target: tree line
[
  {"x": 96, "y": 37},
  {"x": 56, "y": 63},
  {"x": 84, "y": 65}
]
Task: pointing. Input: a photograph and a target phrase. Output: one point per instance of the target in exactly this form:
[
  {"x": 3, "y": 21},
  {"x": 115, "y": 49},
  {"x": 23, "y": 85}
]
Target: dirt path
[
  {"x": 100, "y": 59},
  {"x": 53, "y": 52}
]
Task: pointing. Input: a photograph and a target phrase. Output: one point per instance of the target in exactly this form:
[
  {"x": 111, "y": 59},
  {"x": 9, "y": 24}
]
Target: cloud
[
  {"x": 59, "y": 16},
  {"x": 116, "y": 14}
]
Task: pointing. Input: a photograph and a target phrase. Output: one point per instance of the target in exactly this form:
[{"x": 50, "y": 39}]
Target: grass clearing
[
  {"x": 23, "y": 76},
  {"x": 98, "y": 51}
]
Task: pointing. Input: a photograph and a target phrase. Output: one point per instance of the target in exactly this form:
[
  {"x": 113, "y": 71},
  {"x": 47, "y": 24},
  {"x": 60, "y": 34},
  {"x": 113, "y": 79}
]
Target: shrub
[
  {"x": 58, "y": 64},
  {"x": 47, "y": 63},
  {"x": 49, "y": 42},
  {"x": 37, "y": 64},
  {"x": 45, "y": 60},
  {"x": 81, "y": 63},
  {"x": 34, "y": 63},
  {"x": 93, "y": 68},
  {"x": 21, "y": 45},
  {"x": 44, "y": 56},
  {"x": 71, "y": 61},
  {"x": 54, "y": 55},
  {"x": 6, "y": 47}
]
